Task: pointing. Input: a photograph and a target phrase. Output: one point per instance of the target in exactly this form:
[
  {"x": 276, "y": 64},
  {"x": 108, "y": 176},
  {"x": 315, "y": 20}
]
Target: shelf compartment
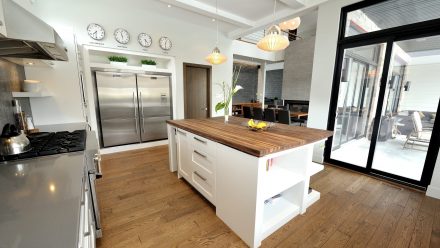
[
  {"x": 30, "y": 94},
  {"x": 276, "y": 214},
  {"x": 314, "y": 168},
  {"x": 126, "y": 67},
  {"x": 277, "y": 180}
]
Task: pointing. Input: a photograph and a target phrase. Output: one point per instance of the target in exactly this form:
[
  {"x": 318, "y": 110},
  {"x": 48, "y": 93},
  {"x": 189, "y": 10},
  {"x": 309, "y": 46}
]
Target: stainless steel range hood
[{"x": 26, "y": 36}]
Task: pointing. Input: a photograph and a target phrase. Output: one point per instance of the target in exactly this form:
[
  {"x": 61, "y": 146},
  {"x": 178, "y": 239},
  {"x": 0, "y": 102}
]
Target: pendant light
[
  {"x": 274, "y": 40},
  {"x": 216, "y": 58}
]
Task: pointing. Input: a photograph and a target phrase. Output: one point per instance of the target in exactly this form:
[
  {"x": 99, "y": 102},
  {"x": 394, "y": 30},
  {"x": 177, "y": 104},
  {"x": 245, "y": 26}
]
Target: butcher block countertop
[{"x": 235, "y": 134}]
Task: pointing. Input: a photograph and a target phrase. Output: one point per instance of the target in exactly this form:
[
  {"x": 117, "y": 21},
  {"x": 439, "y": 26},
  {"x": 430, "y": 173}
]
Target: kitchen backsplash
[{"x": 11, "y": 77}]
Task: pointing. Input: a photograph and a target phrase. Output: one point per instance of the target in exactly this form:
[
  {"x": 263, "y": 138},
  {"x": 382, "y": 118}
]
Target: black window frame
[{"x": 388, "y": 36}]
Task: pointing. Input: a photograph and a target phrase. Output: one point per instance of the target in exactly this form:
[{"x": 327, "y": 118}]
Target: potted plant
[
  {"x": 118, "y": 60},
  {"x": 148, "y": 64},
  {"x": 228, "y": 92}
]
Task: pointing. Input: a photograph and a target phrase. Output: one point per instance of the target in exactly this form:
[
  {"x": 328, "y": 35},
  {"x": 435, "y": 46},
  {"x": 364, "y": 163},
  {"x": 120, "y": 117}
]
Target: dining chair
[
  {"x": 269, "y": 115},
  {"x": 284, "y": 117},
  {"x": 247, "y": 112},
  {"x": 258, "y": 113}
]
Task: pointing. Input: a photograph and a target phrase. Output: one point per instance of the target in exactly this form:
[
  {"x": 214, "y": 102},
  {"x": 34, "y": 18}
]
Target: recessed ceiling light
[
  {"x": 169, "y": 5},
  {"x": 213, "y": 19},
  {"x": 29, "y": 63}
]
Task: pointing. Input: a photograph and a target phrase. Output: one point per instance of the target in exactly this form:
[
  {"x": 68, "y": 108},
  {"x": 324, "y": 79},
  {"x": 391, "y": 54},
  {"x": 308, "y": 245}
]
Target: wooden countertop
[{"x": 236, "y": 135}]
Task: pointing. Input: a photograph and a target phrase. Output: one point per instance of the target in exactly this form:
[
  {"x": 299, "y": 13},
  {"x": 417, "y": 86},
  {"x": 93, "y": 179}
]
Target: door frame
[
  {"x": 208, "y": 88},
  {"x": 388, "y": 36}
]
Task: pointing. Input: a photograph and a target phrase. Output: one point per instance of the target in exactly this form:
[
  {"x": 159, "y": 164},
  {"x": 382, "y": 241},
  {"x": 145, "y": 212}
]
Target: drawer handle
[
  {"x": 199, "y": 140},
  {"x": 181, "y": 132},
  {"x": 201, "y": 177},
  {"x": 200, "y": 154}
]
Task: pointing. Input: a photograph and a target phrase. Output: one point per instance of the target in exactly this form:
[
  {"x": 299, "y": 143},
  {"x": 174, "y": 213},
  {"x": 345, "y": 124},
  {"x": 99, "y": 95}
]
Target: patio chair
[{"x": 419, "y": 134}]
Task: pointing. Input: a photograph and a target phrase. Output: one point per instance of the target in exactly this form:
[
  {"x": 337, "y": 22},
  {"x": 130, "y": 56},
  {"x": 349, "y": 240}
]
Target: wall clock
[
  {"x": 96, "y": 31},
  {"x": 165, "y": 43},
  {"x": 122, "y": 36},
  {"x": 144, "y": 40}
]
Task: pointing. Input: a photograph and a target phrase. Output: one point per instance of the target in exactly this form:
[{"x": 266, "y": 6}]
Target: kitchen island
[{"x": 258, "y": 181}]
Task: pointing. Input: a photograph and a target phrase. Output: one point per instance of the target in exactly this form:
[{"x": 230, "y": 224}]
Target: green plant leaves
[
  {"x": 117, "y": 59},
  {"x": 148, "y": 62},
  {"x": 219, "y": 106}
]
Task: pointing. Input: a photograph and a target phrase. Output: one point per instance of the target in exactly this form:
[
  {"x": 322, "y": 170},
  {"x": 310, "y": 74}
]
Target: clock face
[
  {"x": 122, "y": 36},
  {"x": 165, "y": 43},
  {"x": 96, "y": 31},
  {"x": 144, "y": 40}
]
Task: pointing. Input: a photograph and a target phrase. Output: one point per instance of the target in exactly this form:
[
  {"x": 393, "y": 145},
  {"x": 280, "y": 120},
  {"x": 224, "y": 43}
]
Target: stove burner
[{"x": 45, "y": 143}]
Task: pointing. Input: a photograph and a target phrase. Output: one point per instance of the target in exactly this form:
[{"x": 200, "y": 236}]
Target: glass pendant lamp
[{"x": 216, "y": 57}]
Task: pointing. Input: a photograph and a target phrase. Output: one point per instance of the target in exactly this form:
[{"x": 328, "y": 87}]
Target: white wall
[
  {"x": 424, "y": 91},
  {"x": 191, "y": 43},
  {"x": 322, "y": 76}
]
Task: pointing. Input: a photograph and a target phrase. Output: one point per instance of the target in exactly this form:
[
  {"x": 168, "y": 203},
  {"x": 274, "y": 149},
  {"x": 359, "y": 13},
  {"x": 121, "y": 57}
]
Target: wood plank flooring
[{"x": 144, "y": 205}]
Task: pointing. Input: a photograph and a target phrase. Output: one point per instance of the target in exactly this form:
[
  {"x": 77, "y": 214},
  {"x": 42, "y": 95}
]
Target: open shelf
[
  {"x": 314, "y": 168},
  {"x": 276, "y": 214},
  {"x": 277, "y": 180},
  {"x": 312, "y": 197},
  {"x": 126, "y": 67},
  {"x": 30, "y": 94}
]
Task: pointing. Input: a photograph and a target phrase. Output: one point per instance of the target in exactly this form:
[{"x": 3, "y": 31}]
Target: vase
[{"x": 226, "y": 114}]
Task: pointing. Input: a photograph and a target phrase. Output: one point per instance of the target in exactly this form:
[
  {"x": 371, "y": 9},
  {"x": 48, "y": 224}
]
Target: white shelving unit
[
  {"x": 278, "y": 180},
  {"x": 30, "y": 94},
  {"x": 103, "y": 66},
  {"x": 315, "y": 168},
  {"x": 276, "y": 214}
]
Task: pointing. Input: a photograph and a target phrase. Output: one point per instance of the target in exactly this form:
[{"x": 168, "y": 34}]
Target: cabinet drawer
[
  {"x": 203, "y": 145},
  {"x": 204, "y": 184},
  {"x": 203, "y": 161}
]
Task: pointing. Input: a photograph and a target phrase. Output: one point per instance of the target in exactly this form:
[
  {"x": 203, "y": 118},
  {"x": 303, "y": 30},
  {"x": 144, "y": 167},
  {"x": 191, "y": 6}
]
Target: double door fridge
[{"x": 132, "y": 108}]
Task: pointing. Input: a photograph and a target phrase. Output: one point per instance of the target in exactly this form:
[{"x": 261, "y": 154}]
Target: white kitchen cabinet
[
  {"x": 196, "y": 162},
  {"x": 184, "y": 155},
  {"x": 2, "y": 20}
]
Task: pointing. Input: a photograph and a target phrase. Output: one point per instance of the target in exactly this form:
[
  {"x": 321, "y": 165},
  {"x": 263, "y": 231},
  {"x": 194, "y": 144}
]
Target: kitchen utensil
[{"x": 12, "y": 141}]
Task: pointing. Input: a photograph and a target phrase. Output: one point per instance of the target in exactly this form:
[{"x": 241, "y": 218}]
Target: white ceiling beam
[
  {"x": 295, "y": 4},
  {"x": 210, "y": 11},
  {"x": 280, "y": 16}
]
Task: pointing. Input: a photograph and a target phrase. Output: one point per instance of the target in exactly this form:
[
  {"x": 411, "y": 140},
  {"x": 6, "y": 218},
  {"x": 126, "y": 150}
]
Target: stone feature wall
[
  {"x": 274, "y": 84},
  {"x": 298, "y": 65},
  {"x": 248, "y": 79}
]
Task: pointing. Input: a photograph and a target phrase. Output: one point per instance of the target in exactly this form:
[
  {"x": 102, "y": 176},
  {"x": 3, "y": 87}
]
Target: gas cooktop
[{"x": 52, "y": 143}]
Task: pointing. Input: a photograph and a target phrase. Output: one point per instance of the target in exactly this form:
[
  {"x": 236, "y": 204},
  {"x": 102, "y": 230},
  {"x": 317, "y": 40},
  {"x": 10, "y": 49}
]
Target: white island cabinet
[{"x": 254, "y": 193}]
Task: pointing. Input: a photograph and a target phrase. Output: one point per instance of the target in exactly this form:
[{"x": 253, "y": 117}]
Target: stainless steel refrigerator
[{"x": 132, "y": 108}]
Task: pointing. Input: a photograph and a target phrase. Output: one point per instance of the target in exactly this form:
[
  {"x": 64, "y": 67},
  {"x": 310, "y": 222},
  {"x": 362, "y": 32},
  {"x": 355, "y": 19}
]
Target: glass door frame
[{"x": 388, "y": 36}]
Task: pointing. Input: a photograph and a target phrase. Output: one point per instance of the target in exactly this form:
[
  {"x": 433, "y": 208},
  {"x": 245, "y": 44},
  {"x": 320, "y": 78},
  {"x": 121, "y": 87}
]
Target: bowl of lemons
[{"x": 257, "y": 125}]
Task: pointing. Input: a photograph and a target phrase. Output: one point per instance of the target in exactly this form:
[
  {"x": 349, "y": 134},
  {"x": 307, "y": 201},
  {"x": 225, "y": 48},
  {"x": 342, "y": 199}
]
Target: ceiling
[
  {"x": 394, "y": 13},
  {"x": 238, "y": 18}
]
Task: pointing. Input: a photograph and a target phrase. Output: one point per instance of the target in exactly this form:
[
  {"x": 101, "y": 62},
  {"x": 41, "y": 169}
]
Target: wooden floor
[{"x": 144, "y": 205}]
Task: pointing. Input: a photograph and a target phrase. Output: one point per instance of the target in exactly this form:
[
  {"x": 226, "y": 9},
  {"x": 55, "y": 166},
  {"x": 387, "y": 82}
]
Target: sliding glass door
[
  {"x": 409, "y": 109},
  {"x": 386, "y": 91},
  {"x": 356, "y": 103}
]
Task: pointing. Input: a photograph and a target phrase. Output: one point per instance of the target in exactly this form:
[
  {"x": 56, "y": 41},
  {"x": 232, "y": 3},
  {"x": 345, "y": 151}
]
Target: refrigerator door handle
[
  {"x": 135, "y": 114},
  {"x": 142, "y": 111}
]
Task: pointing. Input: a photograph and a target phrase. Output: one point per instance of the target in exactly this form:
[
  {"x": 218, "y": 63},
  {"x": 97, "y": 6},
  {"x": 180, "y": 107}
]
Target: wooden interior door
[{"x": 197, "y": 87}]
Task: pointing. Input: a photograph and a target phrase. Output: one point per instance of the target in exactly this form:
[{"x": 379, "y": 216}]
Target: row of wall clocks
[{"x": 122, "y": 36}]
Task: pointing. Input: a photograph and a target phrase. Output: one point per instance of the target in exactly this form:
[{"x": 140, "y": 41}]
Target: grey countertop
[{"x": 40, "y": 201}]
